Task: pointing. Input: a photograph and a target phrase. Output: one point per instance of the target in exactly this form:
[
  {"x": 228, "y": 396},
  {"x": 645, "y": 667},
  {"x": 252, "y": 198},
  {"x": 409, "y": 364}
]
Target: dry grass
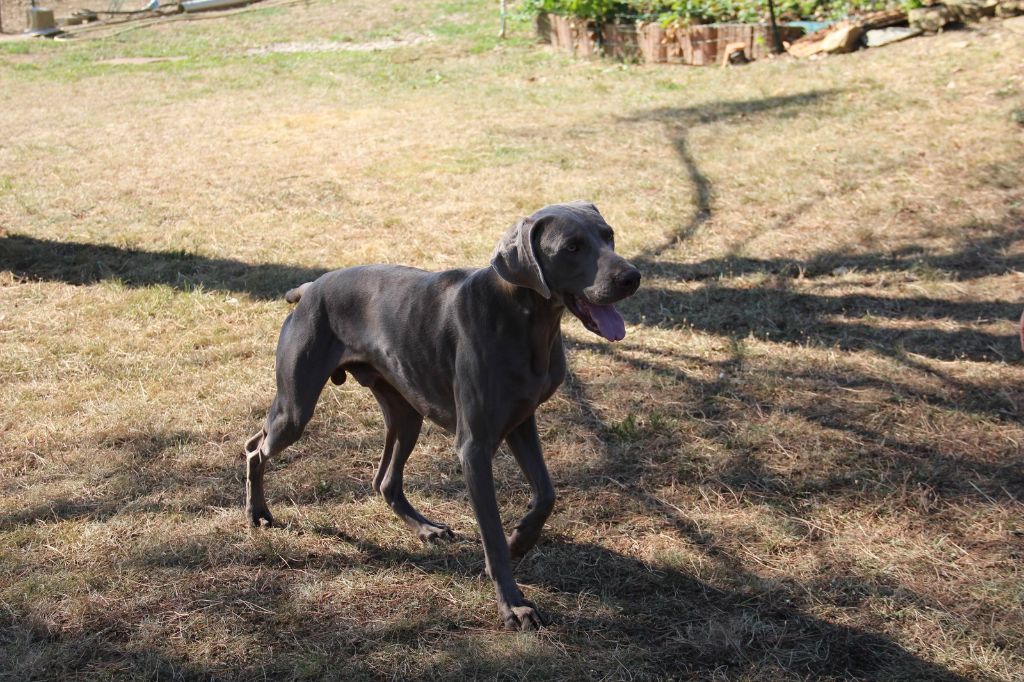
[{"x": 803, "y": 462}]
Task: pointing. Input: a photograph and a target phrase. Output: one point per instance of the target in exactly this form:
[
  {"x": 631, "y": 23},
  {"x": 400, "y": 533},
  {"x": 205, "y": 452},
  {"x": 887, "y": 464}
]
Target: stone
[
  {"x": 930, "y": 19},
  {"x": 970, "y": 11},
  {"x": 842, "y": 39},
  {"x": 1009, "y": 8},
  {"x": 885, "y": 36}
]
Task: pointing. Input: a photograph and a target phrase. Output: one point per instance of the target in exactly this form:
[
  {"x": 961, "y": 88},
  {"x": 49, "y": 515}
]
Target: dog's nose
[{"x": 628, "y": 279}]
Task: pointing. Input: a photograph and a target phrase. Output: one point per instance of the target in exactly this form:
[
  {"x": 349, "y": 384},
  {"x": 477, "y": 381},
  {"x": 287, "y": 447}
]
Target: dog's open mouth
[{"x": 603, "y": 320}]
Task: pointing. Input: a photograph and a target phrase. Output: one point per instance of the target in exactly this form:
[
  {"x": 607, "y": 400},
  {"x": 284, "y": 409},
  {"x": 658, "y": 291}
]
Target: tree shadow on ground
[
  {"x": 775, "y": 311},
  {"x": 677, "y": 624},
  {"x": 860, "y": 464},
  {"x": 678, "y": 121},
  {"x": 660, "y": 621},
  {"x": 140, "y": 472},
  {"x": 664, "y": 622},
  {"x": 143, "y": 477},
  {"x": 79, "y": 263}
]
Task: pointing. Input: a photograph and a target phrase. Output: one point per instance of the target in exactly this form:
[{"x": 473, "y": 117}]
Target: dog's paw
[
  {"x": 523, "y": 616},
  {"x": 435, "y": 534},
  {"x": 259, "y": 517}
]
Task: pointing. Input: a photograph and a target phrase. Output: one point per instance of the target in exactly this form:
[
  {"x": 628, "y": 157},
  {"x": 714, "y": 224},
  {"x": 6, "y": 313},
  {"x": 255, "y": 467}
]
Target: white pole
[{"x": 501, "y": 33}]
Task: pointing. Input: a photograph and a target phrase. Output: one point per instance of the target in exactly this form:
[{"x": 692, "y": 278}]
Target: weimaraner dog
[{"x": 475, "y": 351}]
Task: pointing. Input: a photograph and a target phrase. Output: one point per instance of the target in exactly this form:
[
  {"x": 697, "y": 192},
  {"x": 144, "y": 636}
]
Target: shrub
[{"x": 708, "y": 11}]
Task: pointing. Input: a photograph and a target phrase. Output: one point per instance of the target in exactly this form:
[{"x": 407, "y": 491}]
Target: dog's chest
[{"x": 554, "y": 374}]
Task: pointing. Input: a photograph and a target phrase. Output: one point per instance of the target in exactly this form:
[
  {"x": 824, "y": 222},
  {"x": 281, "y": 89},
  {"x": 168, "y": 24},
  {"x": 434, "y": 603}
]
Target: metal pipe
[{"x": 200, "y": 5}]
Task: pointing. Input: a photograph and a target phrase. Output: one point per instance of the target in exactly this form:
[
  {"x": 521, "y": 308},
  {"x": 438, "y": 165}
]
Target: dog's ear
[{"x": 515, "y": 260}]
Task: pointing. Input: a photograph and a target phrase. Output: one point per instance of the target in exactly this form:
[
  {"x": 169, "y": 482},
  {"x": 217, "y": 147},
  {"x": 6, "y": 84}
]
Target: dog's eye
[{"x": 573, "y": 247}]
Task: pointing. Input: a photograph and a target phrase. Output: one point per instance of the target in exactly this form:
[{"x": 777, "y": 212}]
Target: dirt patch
[
  {"x": 337, "y": 46},
  {"x": 31, "y": 58},
  {"x": 118, "y": 61}
]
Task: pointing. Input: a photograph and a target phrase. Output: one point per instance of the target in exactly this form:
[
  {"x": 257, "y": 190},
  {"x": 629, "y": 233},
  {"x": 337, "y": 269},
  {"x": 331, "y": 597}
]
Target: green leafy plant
[
  {"x": 598, "y": 10},
  {"x": 593, "y": 9},
  {"x": 685, "y": 12}
]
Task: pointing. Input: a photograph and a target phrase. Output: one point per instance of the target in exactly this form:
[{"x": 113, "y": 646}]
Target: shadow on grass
[
  {"x": 143, "y": 477},
  {"x": 871, "y": 464},
  {"x": 674, "y": 624},
  {"x": 679, "y": 120},
  {"x": 975, "y": 258},
  {"x": 657, "y": 621},
  {"x": 660, "y": 622},
  {"x": 775, "y": 312},
  {"x": 141, "y": 470},
  {"x": 80, "y": 263},
  {"x": 663, "y": 622},
  {"x": 850, "y": 322},
  {"x": 32, "y": 650},
  {"x": 607, "y": 609}
]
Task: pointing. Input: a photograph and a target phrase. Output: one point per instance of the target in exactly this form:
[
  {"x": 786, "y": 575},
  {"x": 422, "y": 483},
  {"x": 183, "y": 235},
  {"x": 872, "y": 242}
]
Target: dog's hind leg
[
  {"x": 304, "y": 362},
  {"x": 403, "y": 428},
  {"x": 256, "y": 510}
]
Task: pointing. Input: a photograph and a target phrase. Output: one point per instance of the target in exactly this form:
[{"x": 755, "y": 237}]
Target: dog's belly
[
  {"x": 434, "y": 404},
  {"x": 439, "y": 405}
]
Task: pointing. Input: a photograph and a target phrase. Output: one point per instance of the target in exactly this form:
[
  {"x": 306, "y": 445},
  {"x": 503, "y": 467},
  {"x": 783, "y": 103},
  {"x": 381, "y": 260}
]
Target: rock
[
  {"x": 970, "y": 11},
  {"x": 1009, "y": 8},
  {"x": 838, "y": 37},
  {"x": 930, "y": 19},
  {"x": 842, "y": 39},
  {"x": 893, "y": 34}
]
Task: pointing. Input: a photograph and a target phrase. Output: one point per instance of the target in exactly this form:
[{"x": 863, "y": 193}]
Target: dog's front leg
[
  {"x": 518, "y": 613},
  {"x": 525, "y": 445}
]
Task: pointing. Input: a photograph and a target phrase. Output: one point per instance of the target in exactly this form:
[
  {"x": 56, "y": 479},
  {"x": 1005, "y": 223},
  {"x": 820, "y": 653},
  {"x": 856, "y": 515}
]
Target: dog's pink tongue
[{"x": 608, "y": 320}]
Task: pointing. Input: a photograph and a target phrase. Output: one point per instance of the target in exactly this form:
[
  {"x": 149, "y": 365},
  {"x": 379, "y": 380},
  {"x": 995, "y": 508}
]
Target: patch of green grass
[{"x": 636, "y": 428}]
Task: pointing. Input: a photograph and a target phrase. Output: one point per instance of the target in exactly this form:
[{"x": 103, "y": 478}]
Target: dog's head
[{"x": 566, "y": 252}]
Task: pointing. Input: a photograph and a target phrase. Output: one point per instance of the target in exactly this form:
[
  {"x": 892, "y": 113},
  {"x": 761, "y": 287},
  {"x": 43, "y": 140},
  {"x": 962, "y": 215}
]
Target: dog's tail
[{"x": 295, "y": 294}]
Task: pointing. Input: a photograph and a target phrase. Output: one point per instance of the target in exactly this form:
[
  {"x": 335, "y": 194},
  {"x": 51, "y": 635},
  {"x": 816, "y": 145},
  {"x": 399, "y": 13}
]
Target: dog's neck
[{"x": 544, "y": 314}]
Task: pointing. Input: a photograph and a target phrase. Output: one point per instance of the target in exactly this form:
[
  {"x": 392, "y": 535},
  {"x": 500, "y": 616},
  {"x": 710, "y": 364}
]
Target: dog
[{"x": 475, "y": 351}]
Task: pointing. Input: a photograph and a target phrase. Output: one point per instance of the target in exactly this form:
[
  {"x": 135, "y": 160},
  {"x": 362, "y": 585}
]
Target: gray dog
[{"x": 475, "y": 351}]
